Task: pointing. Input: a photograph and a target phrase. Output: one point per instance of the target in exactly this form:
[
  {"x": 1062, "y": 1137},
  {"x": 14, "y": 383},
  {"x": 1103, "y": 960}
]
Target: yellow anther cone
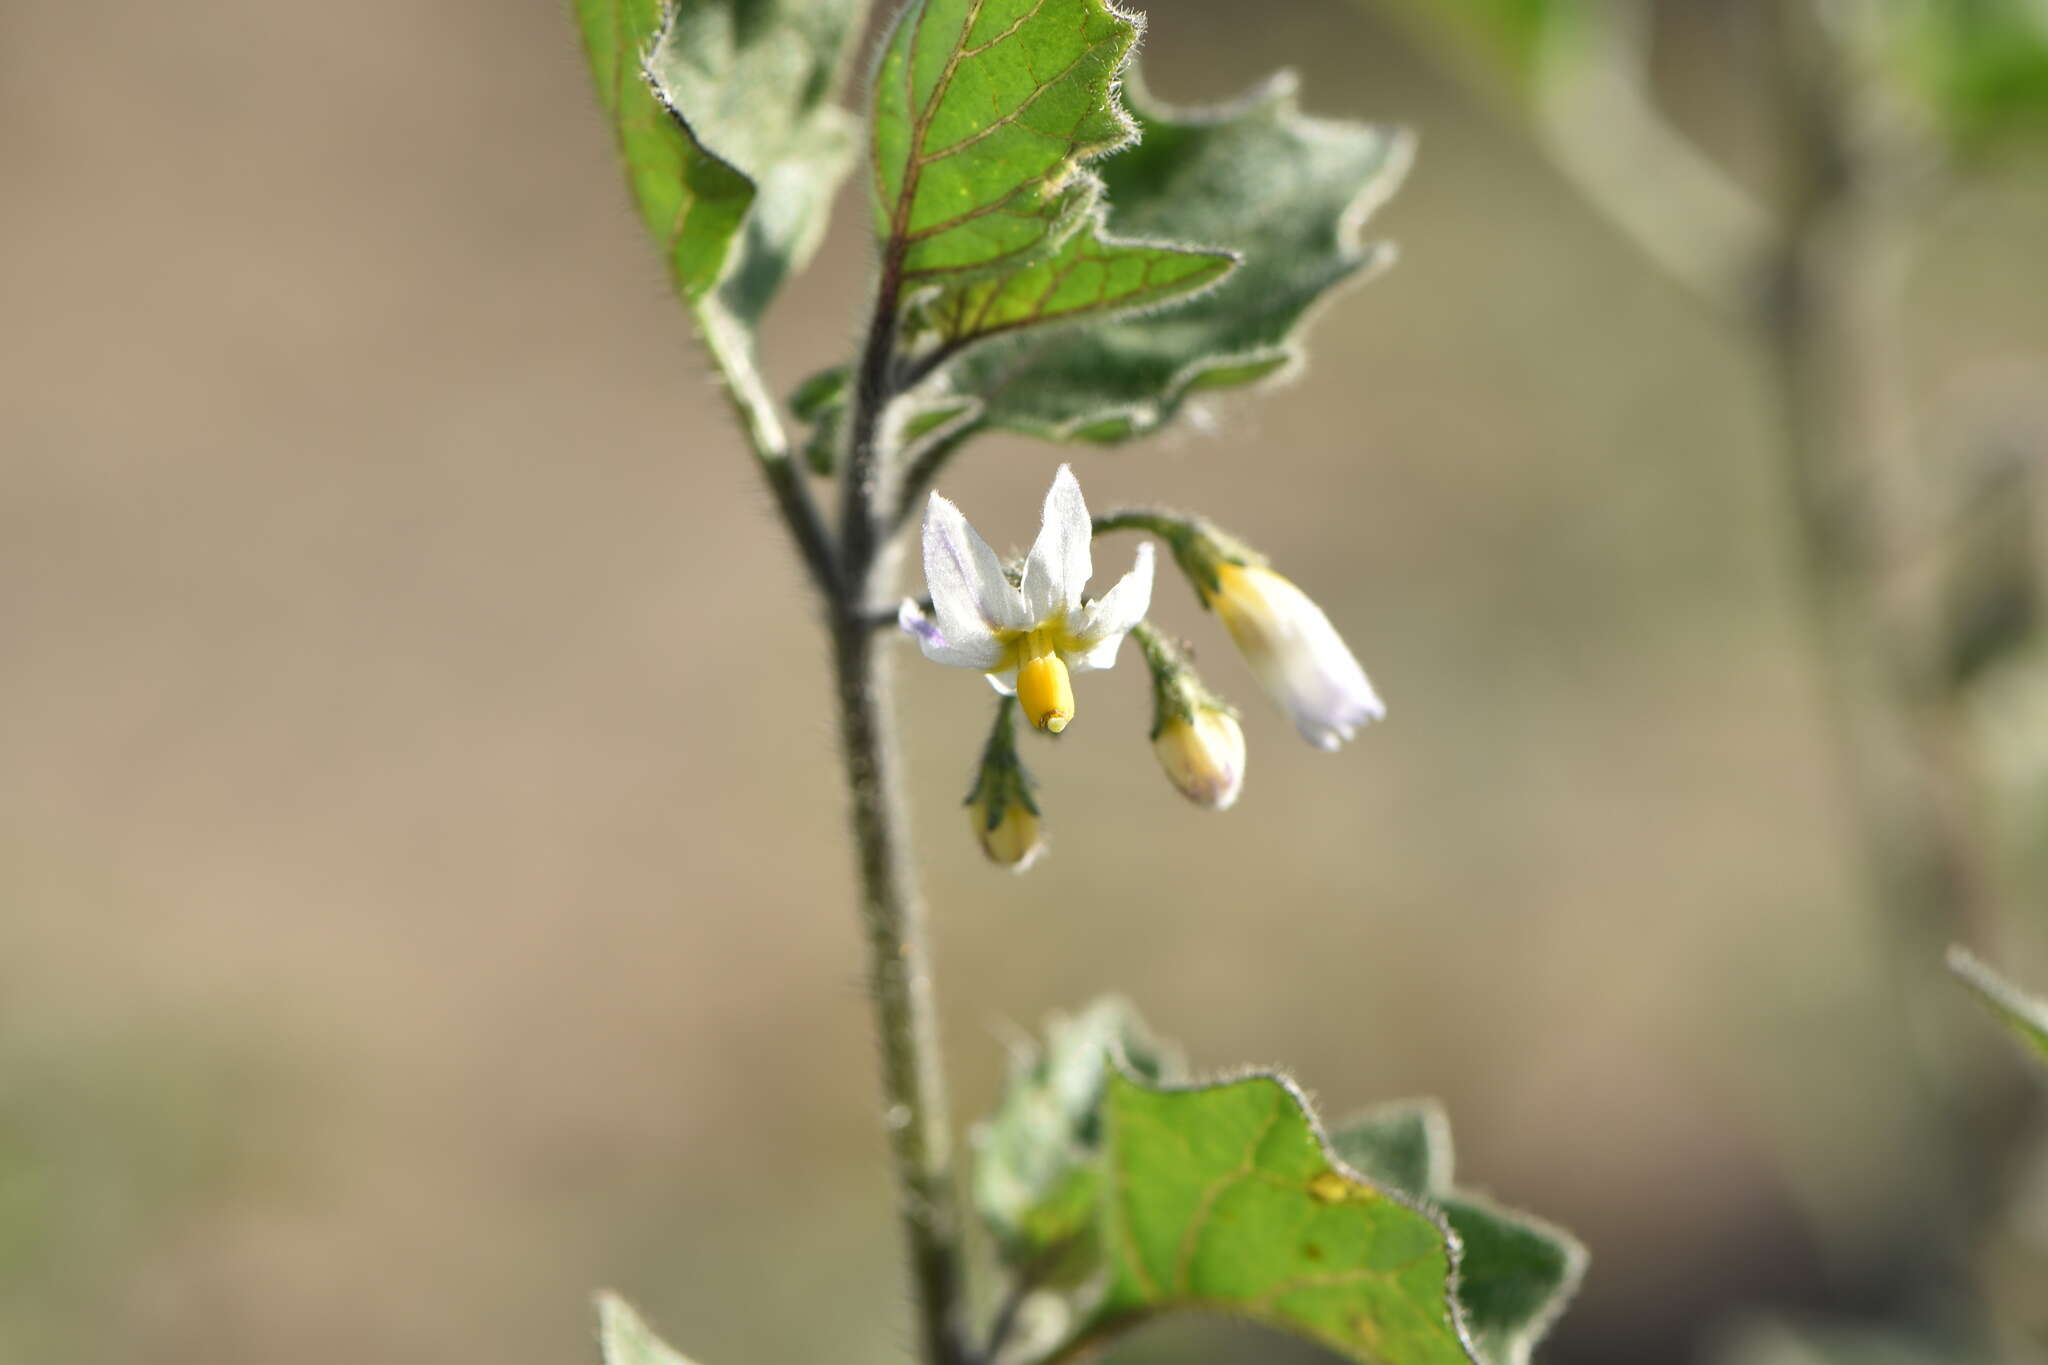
[{"x": 1045, "y": 692}]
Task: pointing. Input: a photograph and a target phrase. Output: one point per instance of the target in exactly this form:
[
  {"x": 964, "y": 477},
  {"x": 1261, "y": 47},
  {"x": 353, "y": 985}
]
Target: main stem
[
  {"x": 892, "y": 914},
  {"x": 900, "y": 985}
]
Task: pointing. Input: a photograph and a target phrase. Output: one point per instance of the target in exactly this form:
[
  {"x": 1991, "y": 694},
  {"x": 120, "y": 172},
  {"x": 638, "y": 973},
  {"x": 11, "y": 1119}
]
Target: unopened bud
[
  {"x": 1203, "y": 754},
  {"x": 1009, "y": 832},
  {"x": 1000, "y": 809},
  {"x": 1194, "y": 733}
]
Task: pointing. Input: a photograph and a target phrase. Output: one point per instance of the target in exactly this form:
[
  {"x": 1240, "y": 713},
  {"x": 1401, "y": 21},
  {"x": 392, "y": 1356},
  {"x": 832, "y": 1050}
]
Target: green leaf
[
  {"x": 1037, "y": 1176},
  {"x": 985, "y": 114},
  {"x": 1289, "y": 194},
  {"x": 1406, "y": 1144},
  {"x": 821, "y": 401},
  {"x": 731, "y": 141},
  {"x": 2024, "y": 1014},
  {"x": 1106, "y": 1180},
  {"x": 1516, "y": 1273},
  {"x": 1226, "y": 1197},
  {"x": 625, "y": 1338}
]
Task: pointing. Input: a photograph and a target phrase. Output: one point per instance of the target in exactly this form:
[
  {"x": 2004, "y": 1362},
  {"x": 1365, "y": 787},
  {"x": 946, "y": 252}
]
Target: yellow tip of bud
[{"x": 1045, "y": 692}]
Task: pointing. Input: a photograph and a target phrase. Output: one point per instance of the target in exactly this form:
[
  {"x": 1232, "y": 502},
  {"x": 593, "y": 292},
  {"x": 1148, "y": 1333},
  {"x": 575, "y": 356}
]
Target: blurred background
[{"x": 423, "y": 896}]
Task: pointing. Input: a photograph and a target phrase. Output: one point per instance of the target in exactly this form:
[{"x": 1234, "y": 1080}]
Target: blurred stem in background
[{"x": 1812, "y": 276}]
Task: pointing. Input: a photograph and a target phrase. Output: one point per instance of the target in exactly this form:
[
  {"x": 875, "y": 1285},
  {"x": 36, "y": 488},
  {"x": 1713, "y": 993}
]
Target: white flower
[
  {"x": 1026, "y": 637},
  {"x": 1296, "y": 653},
  {"x": 1203, "y": 754}
]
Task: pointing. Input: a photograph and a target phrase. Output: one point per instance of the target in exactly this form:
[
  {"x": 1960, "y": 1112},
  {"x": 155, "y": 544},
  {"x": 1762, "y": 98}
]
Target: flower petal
[
  {"x": 1122, "y": 607},
  {"x": 1101, "y": 654},
  {"x": 1004, "y": 681},
  {"x": 970, "y": 595},
  {"x": 1297, "y": 655},
  {"x": 982, "y": 651},
  {"x": 910, "y": 618},
  {"x": 1059, "y": 563}
]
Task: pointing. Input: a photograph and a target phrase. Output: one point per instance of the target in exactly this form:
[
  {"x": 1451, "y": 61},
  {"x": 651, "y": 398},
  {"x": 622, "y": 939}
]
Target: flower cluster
[{"x": 1031, "y": 629}]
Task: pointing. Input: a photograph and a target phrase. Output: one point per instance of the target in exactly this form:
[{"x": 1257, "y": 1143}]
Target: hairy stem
[
  {"x": 899, "y": 984},
  {"x": 892, "y": 914},
  {"x": 733, "y": 359}
]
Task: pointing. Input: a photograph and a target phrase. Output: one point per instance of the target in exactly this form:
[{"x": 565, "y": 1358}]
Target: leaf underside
[
  {"x": 731, "y": 140},
  {"x": 2025, "y": 1015},
  {"x": 1287, "y": 193},
  {"x": 986, "y": 114}
]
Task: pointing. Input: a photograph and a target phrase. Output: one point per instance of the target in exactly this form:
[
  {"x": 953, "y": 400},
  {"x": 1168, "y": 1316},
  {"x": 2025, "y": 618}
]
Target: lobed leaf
[
  {"x": 985, "y": 115},
  {"x": 1516, "y": 1273},
  {"x": 1105, "y": 1180},
  {"x": 1287, "y": 193},
  {"x": 1225, "y": 1197},
  {"x": 2025, "y": 1015},
  {"x": 624, "y": 1338}
]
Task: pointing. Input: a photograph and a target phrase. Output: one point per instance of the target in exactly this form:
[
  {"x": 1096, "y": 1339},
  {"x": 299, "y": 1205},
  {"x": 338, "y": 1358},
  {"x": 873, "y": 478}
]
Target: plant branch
[
  {"x": 1165, "y": 525},
  {"x": 1586, "y": 93},
  {"x": 875, "y": 386},
  {"x": 732, "y": 357},
  {"x": 1599, "y": 124}
]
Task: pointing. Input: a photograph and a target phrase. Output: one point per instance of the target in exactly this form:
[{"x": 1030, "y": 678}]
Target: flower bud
[
  {"x": 1203, "y": 754},
  {"x": 1000, "y": 809},
  {"x": 1009, "y": 832},
  {"x": 1295, "y": 652},
  {"x": 1194, "y": 732}
]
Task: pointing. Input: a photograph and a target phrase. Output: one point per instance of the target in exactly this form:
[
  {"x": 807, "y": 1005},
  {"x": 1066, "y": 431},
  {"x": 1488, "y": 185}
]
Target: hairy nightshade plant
[{"x": 1063, "y": 256}]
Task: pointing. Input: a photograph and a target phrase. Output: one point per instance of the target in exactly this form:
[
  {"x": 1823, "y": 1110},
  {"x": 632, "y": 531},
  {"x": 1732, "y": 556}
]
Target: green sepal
[
  {"x": 1001, "y": 777},
  {"x": 1178, "y": 692}
]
